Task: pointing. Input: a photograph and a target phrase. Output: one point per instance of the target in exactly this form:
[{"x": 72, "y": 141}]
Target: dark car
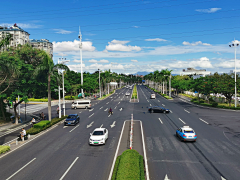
[
  {"x": 72, "y": 119},
  {"x": 158, "y": 109}
]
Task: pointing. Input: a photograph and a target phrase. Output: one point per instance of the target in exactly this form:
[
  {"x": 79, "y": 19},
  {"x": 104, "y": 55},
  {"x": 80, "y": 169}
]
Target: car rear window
[
  {"x": 71, "y": 117},
  {"x": 98, "y": 133},
  {"x": 188, "y": 131}
]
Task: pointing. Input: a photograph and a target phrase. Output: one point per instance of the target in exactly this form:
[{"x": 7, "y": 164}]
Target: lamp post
[
  {"x": 62, "y": 62},
  {"x": 235, "y": 44},
  {"x": 80, "y": 46},
  {"x": 99, "y": 83}
]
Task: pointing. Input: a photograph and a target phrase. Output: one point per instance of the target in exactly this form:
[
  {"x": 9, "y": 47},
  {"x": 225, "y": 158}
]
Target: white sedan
[
  {"x": 98, "y": 136},
  {"x": 127, "y": 93}
]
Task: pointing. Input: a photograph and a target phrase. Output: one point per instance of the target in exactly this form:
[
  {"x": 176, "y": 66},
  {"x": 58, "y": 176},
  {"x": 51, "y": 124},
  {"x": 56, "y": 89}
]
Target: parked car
[
  {"x": 72, "y": 119},
  {"x": 158, "y": 109},
  {"x": 98, "y": 136},
  {"x": 186, "y": 133}
]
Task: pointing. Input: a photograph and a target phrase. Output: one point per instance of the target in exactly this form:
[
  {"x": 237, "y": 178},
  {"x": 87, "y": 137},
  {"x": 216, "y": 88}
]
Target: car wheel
[
  {"x": 75, "y": 107},
  {"x": 152, "y": 111},
  {"x": 86, "y": 107}
]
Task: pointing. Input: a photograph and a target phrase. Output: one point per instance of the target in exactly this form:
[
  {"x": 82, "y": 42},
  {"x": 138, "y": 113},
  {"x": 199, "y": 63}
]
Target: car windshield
[
  {"x": 98, "y": 133},
  {"x": 71, "y": 117},
  {"x": 188, "y": 131}
]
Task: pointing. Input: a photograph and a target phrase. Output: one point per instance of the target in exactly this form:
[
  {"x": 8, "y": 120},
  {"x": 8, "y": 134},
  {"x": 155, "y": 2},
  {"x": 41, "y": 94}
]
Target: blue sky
[{"x": 132, "y": 36}]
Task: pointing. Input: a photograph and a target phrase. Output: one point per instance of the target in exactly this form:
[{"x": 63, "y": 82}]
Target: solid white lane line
[
  {"x": 101, "y": 126},
  {"x": 69, "y": 168},
  {"x": 163, "y": 104},
  {"x": 160, "y": 120},
  {"x": 203, "y": 121},
  {"x": 21, "y": 169},
  {"x": 74, "y": 128},
  {"x": 186, "y": 111},
  {"x": 182, "y": 121},
  {"x": 115, "y": 157}
]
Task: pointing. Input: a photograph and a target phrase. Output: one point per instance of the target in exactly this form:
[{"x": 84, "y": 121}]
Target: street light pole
[
  {"x": 170, "y": 88},
  {"x": 235, "y": 44},
  {"x": 80, "y": 46},
  {"x": 99, "y": 83}
]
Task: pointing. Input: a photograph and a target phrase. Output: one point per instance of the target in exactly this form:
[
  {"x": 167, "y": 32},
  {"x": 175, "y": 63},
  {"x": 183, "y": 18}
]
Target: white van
[
  {"x": 81, "y": 104},
  {"x": 153, "y": 96}
]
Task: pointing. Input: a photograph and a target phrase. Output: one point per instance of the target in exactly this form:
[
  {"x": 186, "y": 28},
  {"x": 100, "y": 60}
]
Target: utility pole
[{"x": 99, "y": 83}]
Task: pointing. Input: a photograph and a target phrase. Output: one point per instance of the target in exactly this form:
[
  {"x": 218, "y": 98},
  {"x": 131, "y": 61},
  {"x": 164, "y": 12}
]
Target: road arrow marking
[
  {"x": 101, "y": 126},
  {"x": 120, "y": 109},
  {"x": 163, "y": 104},
  {"x": 115, "y": 107},
  {"x": 166, "y": 177},
  {"x": 91, "y": 109},
  {"x": 88, "y": 126},
  {"x": 222, "y": 178},
  {"x": 150, "y": 105},
  {"x": 101, "y": 107},
  {"x": 182, "y": 121},
  {"x": 119, "y": 103},
  {"x": 113, "y": 124},
  {"x": 80, "y": 112},
  {"x": 160, "y": 120},
  {"x": 203, "y": 121},
  {"x": 106, "y": 109},
  {"x": 186, "y": 111},
  {"x": 65, "y": 126}
]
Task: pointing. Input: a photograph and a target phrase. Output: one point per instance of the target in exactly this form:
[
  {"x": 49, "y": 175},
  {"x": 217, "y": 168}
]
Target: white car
[
  {"x": 127, "y": 93},
  {"x": 98, "y": 136},
  {"x": 153, "y": 96}
]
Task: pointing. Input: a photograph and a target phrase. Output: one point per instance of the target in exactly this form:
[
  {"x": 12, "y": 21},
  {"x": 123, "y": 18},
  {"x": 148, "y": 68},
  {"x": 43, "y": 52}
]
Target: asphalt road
[{"x": 64, "y": 152}]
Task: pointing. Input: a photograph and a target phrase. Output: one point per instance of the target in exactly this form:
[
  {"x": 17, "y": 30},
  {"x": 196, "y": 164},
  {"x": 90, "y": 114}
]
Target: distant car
[
  {"x": 153, "y": 96},
  {"x": 127, "y": 93},
  {"x": 186, "y": 133},
  {"x": 158, "y": 109},
  {"x": 98, "y": 136},
  {"x": 72, "y": 119}
]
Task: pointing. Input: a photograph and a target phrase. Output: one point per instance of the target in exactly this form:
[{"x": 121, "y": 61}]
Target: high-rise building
[{"x": 43, "y": 44}]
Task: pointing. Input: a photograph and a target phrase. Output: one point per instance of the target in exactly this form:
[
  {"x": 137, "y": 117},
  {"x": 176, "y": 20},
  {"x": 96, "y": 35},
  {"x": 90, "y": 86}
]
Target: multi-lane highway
[{"x": 64, "y": 153}]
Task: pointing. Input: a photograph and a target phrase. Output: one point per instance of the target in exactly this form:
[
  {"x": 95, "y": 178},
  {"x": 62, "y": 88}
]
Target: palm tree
[{"x": 49, "y": 67}]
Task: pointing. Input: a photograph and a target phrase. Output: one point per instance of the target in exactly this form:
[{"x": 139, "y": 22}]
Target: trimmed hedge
[
  {"x": 4, "y": 149},
  {"x": 129, "y": 165},
  {"x": 42, "y": 124},
  {"x": 71, "y": 97},
  {"x": 141, "y": 166},
  {"x": 38, "y": 100},
  {"x": 35, "y": 130},
  {"x": 115, "y": 170}
]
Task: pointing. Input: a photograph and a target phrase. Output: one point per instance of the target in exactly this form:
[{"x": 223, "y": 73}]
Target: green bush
[
  {"x": 4, "y": 149},
  {"x": 129, "y": 165},
  {"x": 71, "y": 97},
  {"x": 201, "y": 101},
  {"x": 42, "y": 124},
  {"x": 114, "y": 175},
  {"x": 214, "y": 104},
  {"x": 38, "y": 100},
  {"x": 141, "y": 166}
]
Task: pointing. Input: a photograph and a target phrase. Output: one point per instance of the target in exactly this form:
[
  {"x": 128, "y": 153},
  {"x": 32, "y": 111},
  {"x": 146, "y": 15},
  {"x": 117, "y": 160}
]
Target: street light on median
[{"x": 235, "y": 44}]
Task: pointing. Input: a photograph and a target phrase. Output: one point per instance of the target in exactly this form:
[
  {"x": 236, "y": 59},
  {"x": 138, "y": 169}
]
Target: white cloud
[
  {"x": 101, "y": 61},
  {"x": 209, "y": 10},
  {"x": 228, "y": 64},
  {"x": 136, "y": 26},
  {"x": 77, "y": 61},
  {"x": 62, "y": 31},
  {"x": 195, "y": 43},
  {"x": 133, "y": 60},
  {"x": 70, "y": 46},
  {"x": 156, "y": 39},
  {"x": 89, "y": 34},
  {"x": 116, "y": 45},
  {"x": 22, "y": 25}
]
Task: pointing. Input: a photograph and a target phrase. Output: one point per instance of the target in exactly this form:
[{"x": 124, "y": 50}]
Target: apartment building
[{"x": 42, "y": 44}]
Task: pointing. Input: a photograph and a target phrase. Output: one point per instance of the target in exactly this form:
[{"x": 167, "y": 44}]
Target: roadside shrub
[
  {"x": 201, "y": 101},
  {"x": 141, "y": 166},
  {"x": 114, "y": 175},
  {"x": 42, "y": 124},
  {"x": 4, "y": 149},
  {"x": 214, "y": 104},
  {"x": 70, "y": 97},
  {"x": 129, "y": 165},
  {"x": 38, "y": 100}
]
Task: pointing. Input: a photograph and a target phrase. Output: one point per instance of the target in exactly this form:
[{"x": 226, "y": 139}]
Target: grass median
[
  {"x": 129, "y": 165},
  {"x": 42, "y": 125},
  {"x": 134, "y": 94},
  {"x": 4, "y": 149}
]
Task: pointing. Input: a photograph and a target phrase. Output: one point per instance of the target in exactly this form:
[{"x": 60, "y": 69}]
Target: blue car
[
  {"x": 186, "y": 133},
  {"x": 72, "y": 119}
]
